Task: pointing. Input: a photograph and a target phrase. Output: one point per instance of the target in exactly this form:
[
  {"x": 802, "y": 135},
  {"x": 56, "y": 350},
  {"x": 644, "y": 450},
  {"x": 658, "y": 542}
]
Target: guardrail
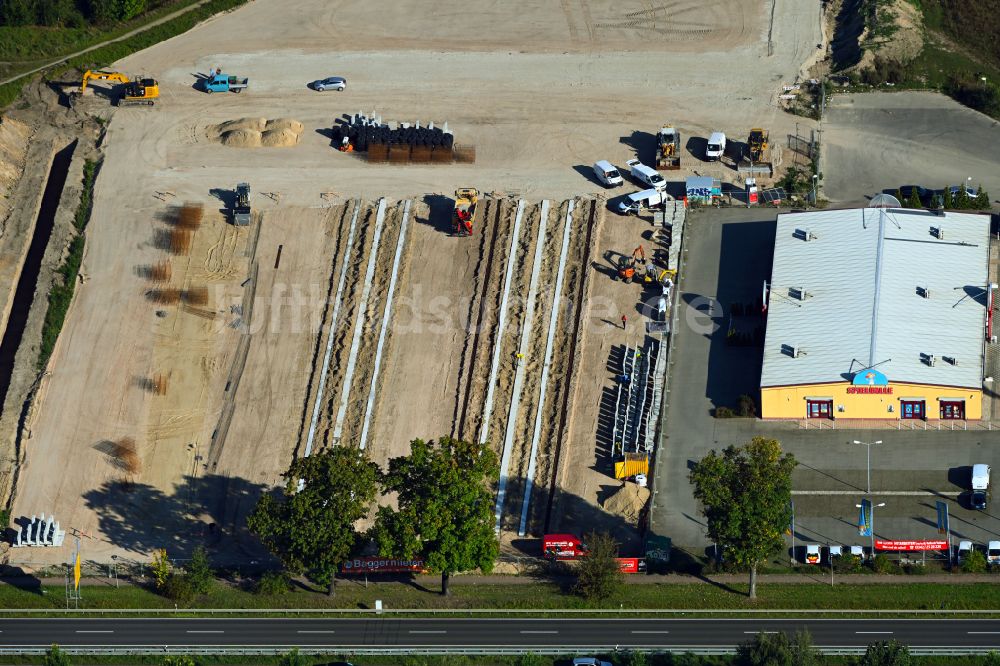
[{"x": 502, "y": 611}]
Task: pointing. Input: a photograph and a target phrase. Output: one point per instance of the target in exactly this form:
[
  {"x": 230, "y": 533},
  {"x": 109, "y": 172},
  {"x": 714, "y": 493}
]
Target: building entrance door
[
  {"x": 819, "y": 409},
  {"x": 911, "y": 409},
  {"x": 953, "y": 409}
]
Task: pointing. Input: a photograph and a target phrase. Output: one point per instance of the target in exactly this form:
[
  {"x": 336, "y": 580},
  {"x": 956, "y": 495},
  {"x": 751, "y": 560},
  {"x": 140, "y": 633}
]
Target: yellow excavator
[{"x": 141, "y": 90}]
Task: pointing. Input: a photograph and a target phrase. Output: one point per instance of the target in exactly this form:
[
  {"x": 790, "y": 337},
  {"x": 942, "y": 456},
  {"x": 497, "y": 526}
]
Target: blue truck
[{"x": 219, "y": 82}]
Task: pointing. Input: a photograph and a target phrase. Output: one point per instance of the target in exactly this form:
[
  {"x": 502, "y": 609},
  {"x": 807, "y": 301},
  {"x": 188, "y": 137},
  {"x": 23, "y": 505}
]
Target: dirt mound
[
  {"x": 13, "y": 147},
  {"x": 243, "y": 138},
  {"x": 255, "y": 124},
  {"x": 627, "y": 502},
  {"x": 257, "y": 133},
  {"x": 279, "y": 138},
  {"x": 283, "y": 123}
]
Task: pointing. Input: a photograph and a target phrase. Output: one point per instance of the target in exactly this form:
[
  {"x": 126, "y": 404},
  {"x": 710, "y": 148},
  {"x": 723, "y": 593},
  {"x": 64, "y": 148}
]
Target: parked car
[
  {"x": 980, "y": 485},
  {"x": 962, "y": 551},
  {"x": 858, "y": 551},
  {"x": 337, "y": 83},
  {"x": 922, "y": 193},
  {"x": 606, "y": 172},
  {"x": 834, "y": 551},
  {"x": 590, "y": 661},
  {"x": 993, "y": 553},
  {"x": 937, "y": 200},
  {"x": 812, "y": 553}
]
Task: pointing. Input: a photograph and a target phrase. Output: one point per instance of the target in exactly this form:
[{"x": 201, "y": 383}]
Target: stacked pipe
[{"x": 364, "y": 131}]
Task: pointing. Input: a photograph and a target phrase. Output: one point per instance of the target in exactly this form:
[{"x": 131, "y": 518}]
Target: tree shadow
[
  {"x": 17, "y": 577},
  {"x": 208, "y": 510}
]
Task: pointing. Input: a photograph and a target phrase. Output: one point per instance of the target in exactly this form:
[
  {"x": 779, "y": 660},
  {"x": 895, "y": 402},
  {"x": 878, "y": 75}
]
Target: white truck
[
  {"x": 980, "y": 484},
  {"x": 716, "y": 146},
  {"x": 646, "y": 175},
  {"x": 639, "y": 201},
  {"x": 606, "y": 172}
]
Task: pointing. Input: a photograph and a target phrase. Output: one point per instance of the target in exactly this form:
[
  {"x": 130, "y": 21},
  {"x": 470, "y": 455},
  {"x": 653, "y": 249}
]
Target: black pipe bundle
[{"x": 363, "y": 134}]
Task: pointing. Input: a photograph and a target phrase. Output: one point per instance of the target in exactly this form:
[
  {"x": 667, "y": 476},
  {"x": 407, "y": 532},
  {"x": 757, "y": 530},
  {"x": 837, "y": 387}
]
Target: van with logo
[{"x": 638, "y": 201}]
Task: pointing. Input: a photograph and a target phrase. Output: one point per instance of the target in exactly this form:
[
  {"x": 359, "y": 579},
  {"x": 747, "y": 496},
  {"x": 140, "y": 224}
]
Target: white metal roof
[{"x": 864, "y": 272}]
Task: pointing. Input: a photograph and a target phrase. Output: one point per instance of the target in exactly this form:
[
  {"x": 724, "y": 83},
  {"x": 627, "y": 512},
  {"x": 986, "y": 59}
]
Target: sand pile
[
  {"x": 257, "y": 132},
  {"x": 627, "y": 502}
]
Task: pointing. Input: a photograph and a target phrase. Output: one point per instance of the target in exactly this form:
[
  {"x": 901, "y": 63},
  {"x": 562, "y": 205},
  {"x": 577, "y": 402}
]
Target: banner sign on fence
[
  {"x": 631, "y": 565},
  {"x": 376, "y": 565},
  {"x": 883, "y": 544}
]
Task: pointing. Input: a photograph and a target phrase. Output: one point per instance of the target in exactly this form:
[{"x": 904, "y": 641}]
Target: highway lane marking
[
  {"x": 205, "y": 631},
  {"x": 873, "y": 632},
  {"x": 760, "y": 632},
  {"x": 428, "y": 631},
  {"x": 983, "y": 632},
  {"x": 536, "y": 631},
  {"x": 94, "y": 631},
  {"x": 650, "y": 631},
  {"x": 315, "y": 631}
]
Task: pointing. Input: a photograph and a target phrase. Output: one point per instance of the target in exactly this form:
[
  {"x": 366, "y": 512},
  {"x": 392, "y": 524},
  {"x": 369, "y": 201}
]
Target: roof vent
[
  {"x": 951, "y": 360},
  {"x": 798, "y": 293},
  {"x": 938, "y": 232},
  {"x": 924, "y": 292},
  {"x": 928, "y": 359},
  {"x": 805, "y": 234},
  {"x": 793, "y": 351}
]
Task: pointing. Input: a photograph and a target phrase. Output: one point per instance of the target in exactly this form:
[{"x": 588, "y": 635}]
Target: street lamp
[
  {"x": 815, "y": 181},
  {"x": 868, "y": 445},
  {"x": 114, "y": 562}
]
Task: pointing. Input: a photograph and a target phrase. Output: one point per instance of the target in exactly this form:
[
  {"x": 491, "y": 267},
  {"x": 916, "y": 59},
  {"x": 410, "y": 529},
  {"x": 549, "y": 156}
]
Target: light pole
[
  {"x": 114, "y": 563},
  {"x": 815, "y": 181},
  {"x": 868, "y": 445}
]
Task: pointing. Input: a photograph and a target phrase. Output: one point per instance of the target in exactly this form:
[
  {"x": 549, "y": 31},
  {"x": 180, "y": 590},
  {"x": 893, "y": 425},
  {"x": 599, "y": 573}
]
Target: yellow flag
[{"x": 76, "y": 572}]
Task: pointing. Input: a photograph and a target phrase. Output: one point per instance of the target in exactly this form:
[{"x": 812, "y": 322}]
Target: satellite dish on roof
[{"x": 884, "y": 201}]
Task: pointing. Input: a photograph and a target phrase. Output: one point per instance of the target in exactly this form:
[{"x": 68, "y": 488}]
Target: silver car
[{"x": 337, "y": 83}]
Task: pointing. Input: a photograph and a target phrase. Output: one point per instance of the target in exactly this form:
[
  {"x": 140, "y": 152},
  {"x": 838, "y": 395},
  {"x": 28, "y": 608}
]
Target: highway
[{"x": 479, "y": 633}]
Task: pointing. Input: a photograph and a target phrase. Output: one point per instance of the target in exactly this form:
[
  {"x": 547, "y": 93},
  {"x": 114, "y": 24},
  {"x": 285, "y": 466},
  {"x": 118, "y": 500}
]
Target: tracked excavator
[{"x": 140, "y": 91}]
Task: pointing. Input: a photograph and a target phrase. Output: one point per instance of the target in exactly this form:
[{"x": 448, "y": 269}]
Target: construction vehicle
[
  {"x": 627, "y": 264},
  {"x": 140, "y": 91},
  {"x": 466, "y": 204},
  {"x": 241, "y": 206},
  {"x": 668, "y": 153},
  {"x": 219, "y": 82},
  {"x": 757, "y": 143}
]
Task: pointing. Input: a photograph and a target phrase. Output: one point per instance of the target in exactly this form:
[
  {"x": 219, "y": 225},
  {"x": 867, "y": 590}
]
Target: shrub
[
  {"x": 199, "y": 572},
  {"x": 974, "y": 93},
  {"x": 724, "y": 413},
  {"x": 273, "y": 583},
  {"x": 599, "y": 575},
  {"x": 747, "y": 406},
  {"x": 974, "y": 562},
  {"x": 848, "y": 564},
  {"x": 881, "y": 564},
  {"x": 179, "y": 589},
  {"x": 159, "y": 569}
]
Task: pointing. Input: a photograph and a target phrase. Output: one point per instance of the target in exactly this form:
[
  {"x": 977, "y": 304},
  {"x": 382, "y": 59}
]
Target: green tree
[
  {"x": 55, "y": 657},
  {"x": 949, "y": 201},
  {"x": 765, "y": 650},
  {"x": 160, "y": 568},
  {"x": 982, "y": 200},
  {"x": 992, "y": 658},
  {"x": 899, "y": 197},
  {"x": 129, "y": 9},
  {"x": 914, "y": 200},
  {"x": 745, "y": 494},
  {"x": 312, "y": 529},
  {"x": 637, "y": 658},
  {"x": 974, "y": 562},
  {"x": 293, "y": 658},
  {"x": 886, "y": 653},
  {"x": 445, "y": 510},
  {"x": 599, "y": 575},
  {"x": 962, "y": 198},
  {"x": 199, "y": 571}
]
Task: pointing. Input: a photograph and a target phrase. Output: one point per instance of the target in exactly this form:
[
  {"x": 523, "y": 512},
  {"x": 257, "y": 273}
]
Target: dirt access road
[{"x": 542, "y": 90}]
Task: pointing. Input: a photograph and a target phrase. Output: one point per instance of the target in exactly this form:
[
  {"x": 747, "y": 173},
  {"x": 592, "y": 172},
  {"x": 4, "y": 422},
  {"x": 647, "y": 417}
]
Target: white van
[
  {"x": 647, "y": 175},
  {"x": 606, "y": 172},
  {"x": 716, "y": 146},
  {"x": 993, "y": 553},
  {"x": 980, "y": 484},
  {"x": 638, "y": 201}
]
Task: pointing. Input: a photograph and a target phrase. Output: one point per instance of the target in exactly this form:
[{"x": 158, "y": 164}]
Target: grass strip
[
  {"x": 61, "y": 294},
  {"x": 537, "y": 596}
]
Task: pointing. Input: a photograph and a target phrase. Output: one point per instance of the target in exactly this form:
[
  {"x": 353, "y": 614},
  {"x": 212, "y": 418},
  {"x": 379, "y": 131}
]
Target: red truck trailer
[{"x": 563, "y": 547}]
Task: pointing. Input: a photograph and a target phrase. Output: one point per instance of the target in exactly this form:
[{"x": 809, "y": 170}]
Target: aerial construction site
[{"x": 257, "y": 287}]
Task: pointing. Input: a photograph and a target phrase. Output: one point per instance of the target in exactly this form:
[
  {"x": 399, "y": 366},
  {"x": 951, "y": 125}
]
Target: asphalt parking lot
[
  {"x": 727, "y": 256},
  {"x": 877, "y": 141}
]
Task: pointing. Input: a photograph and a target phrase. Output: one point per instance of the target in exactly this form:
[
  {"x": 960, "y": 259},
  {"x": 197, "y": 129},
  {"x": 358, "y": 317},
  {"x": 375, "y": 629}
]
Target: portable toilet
[{"x": 752, "y": 194}]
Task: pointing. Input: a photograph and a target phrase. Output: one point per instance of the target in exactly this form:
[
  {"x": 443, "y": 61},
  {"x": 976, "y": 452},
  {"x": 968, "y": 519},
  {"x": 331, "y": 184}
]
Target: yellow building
[{"x": 877, "y": 313}]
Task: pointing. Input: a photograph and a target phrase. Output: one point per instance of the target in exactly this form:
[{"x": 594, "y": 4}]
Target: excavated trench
[{"x": 24, "y": 293}]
